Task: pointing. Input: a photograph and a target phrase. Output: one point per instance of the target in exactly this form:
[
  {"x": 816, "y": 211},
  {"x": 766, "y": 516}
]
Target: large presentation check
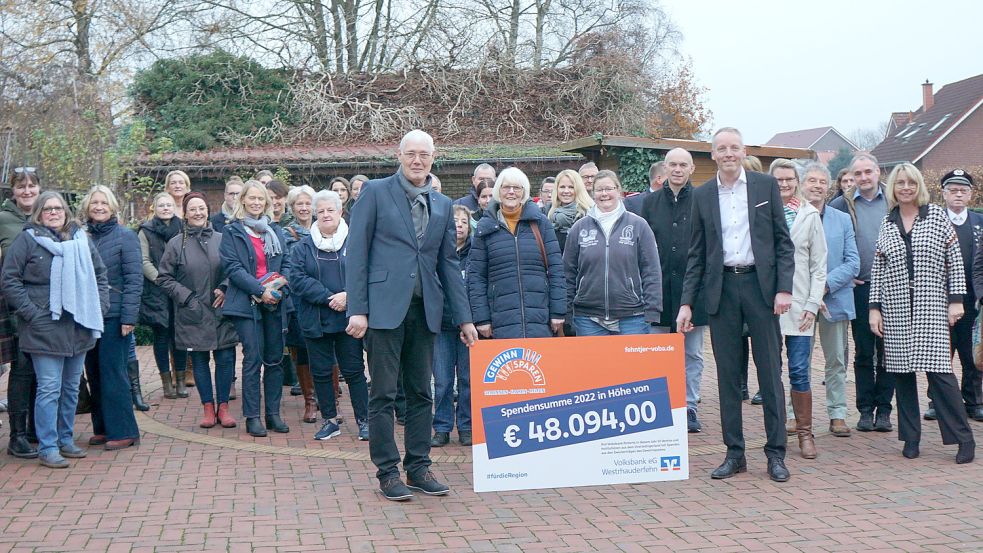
[{"x": 549, "y": 413}]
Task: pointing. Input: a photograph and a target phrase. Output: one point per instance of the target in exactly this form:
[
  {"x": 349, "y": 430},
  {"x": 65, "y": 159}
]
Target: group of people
[{"x": 392, "y": 268}]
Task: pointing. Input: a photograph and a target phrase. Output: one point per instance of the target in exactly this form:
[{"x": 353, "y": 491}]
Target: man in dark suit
[
  {"x": 957, "y": 191},
  {"x": 658, "y": 172},
  {"x": 742, "y": 259},
  {"x": 402, "y": 259},
  {"x": 668, "y": 211}
]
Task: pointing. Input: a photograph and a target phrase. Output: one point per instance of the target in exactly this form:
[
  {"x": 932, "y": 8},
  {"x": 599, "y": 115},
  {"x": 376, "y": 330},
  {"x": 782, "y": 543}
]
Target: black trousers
[
  {"x": 741, "y": 301},
  {"x": 961, "y": 340},
  {"x": 944, "y": 392},
  {"x": 403, "y": 352},
  {"x": 22, "y": 386},
  {"x": 875, "y": 386}
]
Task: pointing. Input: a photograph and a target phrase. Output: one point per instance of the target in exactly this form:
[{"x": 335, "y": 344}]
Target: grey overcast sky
[{"x": 771, "y": 66}]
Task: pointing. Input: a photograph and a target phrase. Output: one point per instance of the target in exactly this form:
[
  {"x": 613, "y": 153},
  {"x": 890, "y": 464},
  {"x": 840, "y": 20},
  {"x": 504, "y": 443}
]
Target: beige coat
[{"x": 809, "y": 280}]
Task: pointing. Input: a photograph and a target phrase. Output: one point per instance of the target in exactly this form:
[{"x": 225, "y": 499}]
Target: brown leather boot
[
  {"x": 307, "y": 386},
  {"x": 802, "y": 405},
  {"x": 336, "y": 377},
  {"x": 189, "y": 374}
]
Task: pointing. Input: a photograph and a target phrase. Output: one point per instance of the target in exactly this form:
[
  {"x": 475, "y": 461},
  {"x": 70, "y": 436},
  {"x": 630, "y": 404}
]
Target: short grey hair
[
  {"x": 326, "y": 196},
  {"x": 482, "y": 167},
  {"x": 588, "y": 165},
  {"x": 416, "y": 134},
  {"x": 513, "y": 176},
  {"x": 295, "y": 193},
  {"x": 863, "y": 157},
  {"x": 721, "y": 130},
  {"x": 816, "y": 167}
]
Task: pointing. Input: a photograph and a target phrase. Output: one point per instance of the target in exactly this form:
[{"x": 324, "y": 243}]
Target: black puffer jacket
[
  {"x": 26, "y": 283},
  {"x": 120, "y": 251},
  {"x": 155, "y": 305}
]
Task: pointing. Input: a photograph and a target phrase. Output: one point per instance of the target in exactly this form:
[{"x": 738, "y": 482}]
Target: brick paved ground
[{"x": 189, "y": 489}]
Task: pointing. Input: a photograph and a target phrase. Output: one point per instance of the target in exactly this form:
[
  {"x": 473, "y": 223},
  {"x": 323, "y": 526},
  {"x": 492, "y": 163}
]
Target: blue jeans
[
  {"x": 58, "y": 396},
  {"x": 799, "y": 351},
  {"x": 224, "y": 367},
  {"x": 628, "y": 325},
  {"x": 693, "y": 344},
  {"x": 262, "y": 345},
  {"x": 164, "y": 347},
  {"x": 341, "y": 349},
  {"x": 451, "y": 360},
  {"x": 131, "y": 352}
]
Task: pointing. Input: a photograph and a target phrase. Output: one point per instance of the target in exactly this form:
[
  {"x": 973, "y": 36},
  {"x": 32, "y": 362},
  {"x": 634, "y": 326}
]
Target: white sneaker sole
[{"x": 328, "y": 437}]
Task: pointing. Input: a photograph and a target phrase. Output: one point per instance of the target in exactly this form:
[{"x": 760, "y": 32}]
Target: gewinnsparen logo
[{"x": 515, "y": 360}]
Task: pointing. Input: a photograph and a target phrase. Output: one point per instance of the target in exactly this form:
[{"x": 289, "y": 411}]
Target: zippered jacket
[
  {"x": 507, "y": 280},
  {"x": 614, "y": 276}
]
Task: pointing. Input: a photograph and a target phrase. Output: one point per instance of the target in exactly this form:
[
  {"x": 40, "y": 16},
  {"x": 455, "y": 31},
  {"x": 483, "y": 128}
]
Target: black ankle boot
[
  {"x": 18, "y": 445},
  {"x": 254, "y": 428},
  {"x": 276, "y": 424},
  {"x": 133, "y": 371}
]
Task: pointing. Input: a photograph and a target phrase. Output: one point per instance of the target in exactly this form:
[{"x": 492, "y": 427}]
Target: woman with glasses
[
  {"x": 25, "y": 187},
  {"x": 113, "y": 423},
  {"x": 318, "y": 281},
  {"x": 916, "y": 290},
  {"x": 515, "y": 271},
  {"x": 56, "y": 282},
  {"x": 614, "y": 277}
]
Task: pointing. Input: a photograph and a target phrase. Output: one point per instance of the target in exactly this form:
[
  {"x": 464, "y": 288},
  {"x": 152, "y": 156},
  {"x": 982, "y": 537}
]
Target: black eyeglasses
[{"x": 25, "y": 170}]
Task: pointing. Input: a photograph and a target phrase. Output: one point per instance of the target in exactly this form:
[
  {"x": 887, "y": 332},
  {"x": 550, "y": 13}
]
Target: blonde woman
[
  {"x": 569, "y": 203},
  {"x": 177, "y": 184},
  {"x": 253, "y": 246},
  {"x": 156, "y": 309},
  {"x": 916, "y": 296},
  {"x": 113, "y": 423}
]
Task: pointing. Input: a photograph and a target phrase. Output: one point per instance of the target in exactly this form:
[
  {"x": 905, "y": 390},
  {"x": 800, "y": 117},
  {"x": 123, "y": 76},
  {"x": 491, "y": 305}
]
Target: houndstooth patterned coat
[{"x": 916, "y": 333}]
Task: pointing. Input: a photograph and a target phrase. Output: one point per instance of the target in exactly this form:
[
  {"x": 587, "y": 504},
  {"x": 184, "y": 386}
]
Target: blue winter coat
[
  {"x": 239, "y": 264},
  {"x": 119, "y": 249},
  {"x": 314, "y": 277},
  {"x": 507, "y": 281}
]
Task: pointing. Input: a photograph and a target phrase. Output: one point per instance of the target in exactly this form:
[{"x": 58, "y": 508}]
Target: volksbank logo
[
  {"x": 514, "y": 360},
  {"x": 667, "y": 464}
]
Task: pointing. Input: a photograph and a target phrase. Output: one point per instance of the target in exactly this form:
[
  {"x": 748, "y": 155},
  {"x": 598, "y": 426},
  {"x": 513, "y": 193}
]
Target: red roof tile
[
  {"x": 798, "y": 139},
  {"x": 911, "y": 141}
]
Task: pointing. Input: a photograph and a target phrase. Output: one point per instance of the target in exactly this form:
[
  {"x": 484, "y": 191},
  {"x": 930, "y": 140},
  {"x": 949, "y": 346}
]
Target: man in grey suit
[
  {"x": 742, "y": 258},
  {"x": 402, "y": 260}
]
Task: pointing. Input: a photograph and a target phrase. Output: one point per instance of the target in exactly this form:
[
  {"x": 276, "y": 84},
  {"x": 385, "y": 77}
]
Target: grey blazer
[{"x": 384, "y": 258}]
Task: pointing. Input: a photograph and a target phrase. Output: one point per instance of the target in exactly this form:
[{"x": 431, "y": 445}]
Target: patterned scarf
[{"x": 791, "y": 210}]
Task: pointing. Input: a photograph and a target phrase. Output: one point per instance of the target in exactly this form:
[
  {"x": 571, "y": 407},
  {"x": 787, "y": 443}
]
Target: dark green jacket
[{"x": 12, "y": 221}]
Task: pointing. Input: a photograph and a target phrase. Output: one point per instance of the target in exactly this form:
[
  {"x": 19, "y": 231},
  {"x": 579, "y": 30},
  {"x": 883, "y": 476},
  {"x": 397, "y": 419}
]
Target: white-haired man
[{"x": 402, "y": 260}]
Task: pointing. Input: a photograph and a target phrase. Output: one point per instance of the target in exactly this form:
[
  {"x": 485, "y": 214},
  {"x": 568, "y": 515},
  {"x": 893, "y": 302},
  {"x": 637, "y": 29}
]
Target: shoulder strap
[
  {"x": 542, "y": 246},
  {"x": 292, "y": 231}
]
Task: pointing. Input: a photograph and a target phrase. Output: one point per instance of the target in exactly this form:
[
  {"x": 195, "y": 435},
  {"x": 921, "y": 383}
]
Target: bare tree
[{"x": 869, "y": 137}]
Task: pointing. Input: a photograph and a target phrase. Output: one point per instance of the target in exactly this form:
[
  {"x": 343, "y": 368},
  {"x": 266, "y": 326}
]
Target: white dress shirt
[
  {"x": 735, "y": 229},
  {"x": 957, "y": 218}
]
